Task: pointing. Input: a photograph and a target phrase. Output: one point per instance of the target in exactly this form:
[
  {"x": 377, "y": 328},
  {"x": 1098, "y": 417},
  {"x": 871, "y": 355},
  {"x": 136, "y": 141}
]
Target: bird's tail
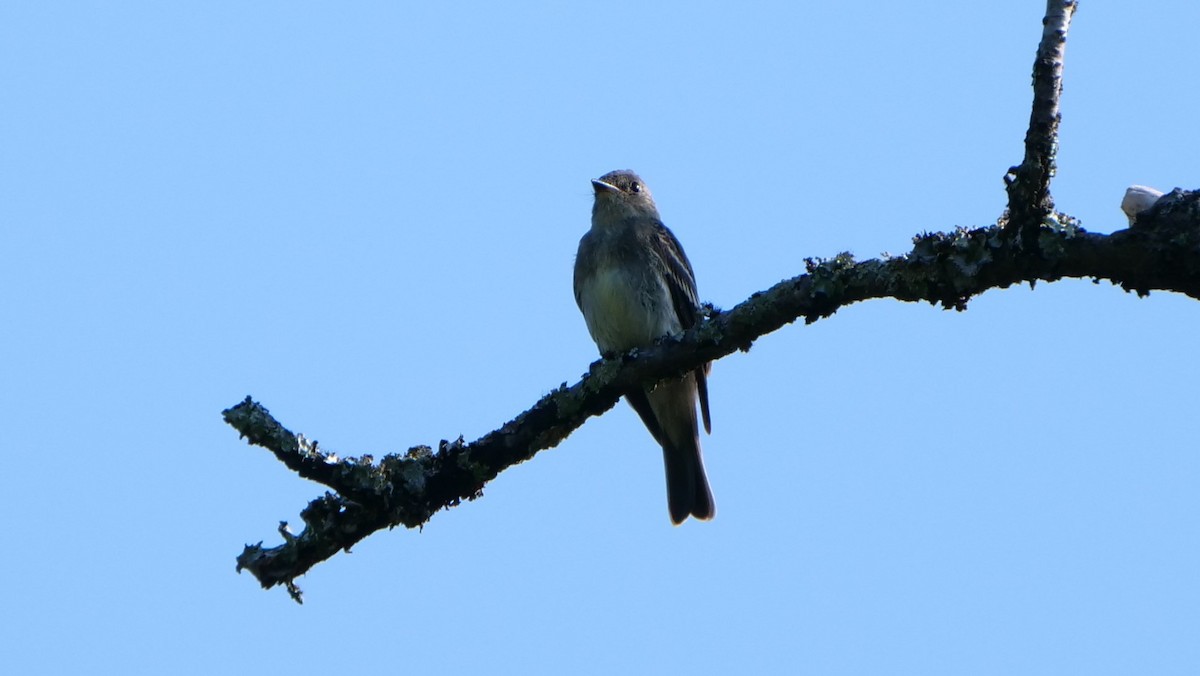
[
  {"x": 669, "y": 411},
  {"x": 687, "y": 485}
]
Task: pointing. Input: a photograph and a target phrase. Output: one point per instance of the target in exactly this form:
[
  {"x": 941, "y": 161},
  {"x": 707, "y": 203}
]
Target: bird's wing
[
  {"x": 678, "y": 272},
  {"x": 681, "y": 280},
  {"x": 702, "y": 393},
  {"x": 585, "y": 244}
]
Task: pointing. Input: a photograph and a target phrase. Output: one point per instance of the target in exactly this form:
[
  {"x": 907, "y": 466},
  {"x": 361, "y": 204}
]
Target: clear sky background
[{"x": 365, "y": 215}]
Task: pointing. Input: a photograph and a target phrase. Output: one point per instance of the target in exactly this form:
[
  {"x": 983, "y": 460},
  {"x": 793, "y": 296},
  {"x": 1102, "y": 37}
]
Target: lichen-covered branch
[{"x": 1161, "y": 253}]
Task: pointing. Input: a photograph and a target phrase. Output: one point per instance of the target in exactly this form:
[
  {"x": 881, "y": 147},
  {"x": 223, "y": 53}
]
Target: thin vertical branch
[{"x": 1029, "y": 199}]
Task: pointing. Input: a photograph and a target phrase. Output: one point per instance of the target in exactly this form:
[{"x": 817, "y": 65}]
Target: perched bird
[{"x": 634, "y": 285}]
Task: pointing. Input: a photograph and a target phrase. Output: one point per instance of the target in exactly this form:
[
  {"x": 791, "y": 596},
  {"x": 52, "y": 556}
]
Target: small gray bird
[{"x": 634, "y": 285}]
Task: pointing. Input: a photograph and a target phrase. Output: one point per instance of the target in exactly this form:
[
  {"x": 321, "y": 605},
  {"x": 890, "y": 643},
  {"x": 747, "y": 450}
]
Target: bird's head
[{"x": 622, "y": 194}]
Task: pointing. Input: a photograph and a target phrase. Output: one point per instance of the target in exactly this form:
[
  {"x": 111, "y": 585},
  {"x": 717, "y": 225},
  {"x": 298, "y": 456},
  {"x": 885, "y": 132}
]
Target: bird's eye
[{"x": 635, "y": 187}]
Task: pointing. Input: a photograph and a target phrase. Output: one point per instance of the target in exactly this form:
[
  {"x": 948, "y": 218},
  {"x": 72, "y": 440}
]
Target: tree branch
[
  {"x": 1161, "y": 253},
  {"x": 1031, "y": 242}
]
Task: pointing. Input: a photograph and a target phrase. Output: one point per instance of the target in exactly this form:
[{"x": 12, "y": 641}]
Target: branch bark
[{"x": 1032, "y": 242}]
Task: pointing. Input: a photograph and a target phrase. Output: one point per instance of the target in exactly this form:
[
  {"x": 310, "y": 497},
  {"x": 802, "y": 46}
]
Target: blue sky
[{"x": 366, "y": 215}]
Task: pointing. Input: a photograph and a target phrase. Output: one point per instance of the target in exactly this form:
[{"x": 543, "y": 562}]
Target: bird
[{"x": 634, "y": 285}]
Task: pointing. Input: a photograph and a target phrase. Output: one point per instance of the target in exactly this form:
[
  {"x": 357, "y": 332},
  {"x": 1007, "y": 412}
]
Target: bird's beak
[{"x": 602, "y": 187}]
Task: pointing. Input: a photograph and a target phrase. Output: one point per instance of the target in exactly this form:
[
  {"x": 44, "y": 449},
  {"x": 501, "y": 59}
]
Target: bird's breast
[{"x": 626, "y": 308}]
